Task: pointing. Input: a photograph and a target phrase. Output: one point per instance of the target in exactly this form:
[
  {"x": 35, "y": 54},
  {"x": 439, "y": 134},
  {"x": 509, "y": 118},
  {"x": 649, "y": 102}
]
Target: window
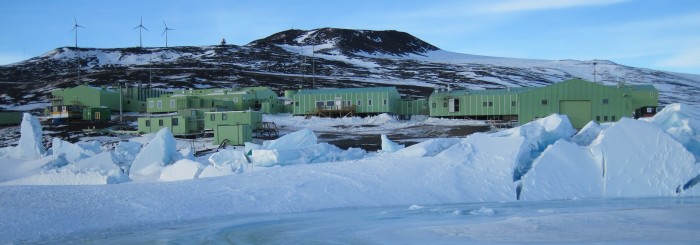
[
  {"x": 224, "y": 117},
  {"x": 434, "y": 105},
  {"x": 55, "y": 109},
  {"x": 512, "y": 103},
  {"x": 605, "y": 118},
  {"x": 319, "y": 104},
  {"x": 650, "y": 110},
  {"x": 612, "y": 118},
  {"x": 235, "y": 99},
  {"x": 174, "y": 121},
  {"x": 172, "y": 103},
  {"x": 491, "y": 103},
  {"x": 160, "y": 122},
  {"x": 485, "y": 104},
  {"x": 605, "y": 101},
  {"x": 456, "y": 105},
  {"x": 212, "y": 117},
  {"x": 544, "y": 102},
  {"x": 148, "y": 123},
  {"x": 330, "y": 103},
  {"x": 597, "y": 118},
  {"x": 296, "y": 103},
  {"x": 385, "y": 102},
  {"x": 444, "y": 104},
  {"x": 359, "y": 102},
  {"x": 160, "y": 104},
  {"x": 369, "y": 102},
  {"x": 151, "y": 104}
]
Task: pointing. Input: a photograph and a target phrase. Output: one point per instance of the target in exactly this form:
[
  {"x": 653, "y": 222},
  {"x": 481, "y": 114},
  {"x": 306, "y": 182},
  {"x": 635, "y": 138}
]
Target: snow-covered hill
[{"x": 333, "y": 57}]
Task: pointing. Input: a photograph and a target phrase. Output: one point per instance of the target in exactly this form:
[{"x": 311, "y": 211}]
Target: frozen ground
[
  {"x": 502, "y": 180},
  {"x": 365, "y": 132},
  {"x": 596, "y": 221}
]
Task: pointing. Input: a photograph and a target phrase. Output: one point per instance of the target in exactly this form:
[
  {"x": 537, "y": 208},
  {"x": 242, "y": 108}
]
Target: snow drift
[{"x": 541, "y": 160}]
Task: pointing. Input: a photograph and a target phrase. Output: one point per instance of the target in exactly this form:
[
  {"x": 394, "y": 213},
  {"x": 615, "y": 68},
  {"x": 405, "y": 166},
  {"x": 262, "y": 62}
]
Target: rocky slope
[{"x": 324, "y": 57}]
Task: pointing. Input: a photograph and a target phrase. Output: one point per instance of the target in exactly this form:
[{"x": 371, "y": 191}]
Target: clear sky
[{"x": 656, "y": 34}]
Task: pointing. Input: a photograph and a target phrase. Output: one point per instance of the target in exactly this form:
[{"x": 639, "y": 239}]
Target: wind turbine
[
  {"x": 166, "y": 33},
  {"x": 140, "y": 26},
  {"x": 75, "y": 28}
]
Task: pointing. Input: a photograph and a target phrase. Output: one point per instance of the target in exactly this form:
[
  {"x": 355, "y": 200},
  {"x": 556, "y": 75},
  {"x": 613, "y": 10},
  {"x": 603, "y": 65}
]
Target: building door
[
  {"x": 578, "y": 111},
  {"x": 97, "y": 116},
  {"x": 451, "y": 105},
  {"x": 339, "y": 103}
]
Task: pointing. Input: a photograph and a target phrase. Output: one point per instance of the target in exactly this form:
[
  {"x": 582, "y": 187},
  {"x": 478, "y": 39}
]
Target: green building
[
  {"x": 233, "y": 134},
  {"x": 235, "y": 126},
  {"x": 97, "y": 114},
  {"x": 363, "y": 101},
  {"x": 580, "y": 100},
  {"x": 214, "y": 119},
  {"x": 252, "y": 98},
  {"x": 10, "y": 117},
  {"x": 410, "y": 107},
  {"x": 180, "y": 125},
  {"x": 127, "y": 99}
]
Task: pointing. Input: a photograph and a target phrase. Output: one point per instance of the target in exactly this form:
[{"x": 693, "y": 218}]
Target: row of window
[
  {"x": 173, "y": 122},
  {"x": 512, "y": 103},
  {"x": 173, "y": 103},
  {"x": 332, "y": 103},
  {"x": 545, "y": 102},
  {"x": 605, "y": 119}
]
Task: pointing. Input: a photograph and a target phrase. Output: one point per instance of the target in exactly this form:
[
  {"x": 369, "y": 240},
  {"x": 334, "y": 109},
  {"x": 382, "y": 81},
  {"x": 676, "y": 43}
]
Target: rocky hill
[{"x": 324, "y": 57}]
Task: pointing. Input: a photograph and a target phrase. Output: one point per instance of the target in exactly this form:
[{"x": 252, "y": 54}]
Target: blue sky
[{"x": 656, "y": 34}]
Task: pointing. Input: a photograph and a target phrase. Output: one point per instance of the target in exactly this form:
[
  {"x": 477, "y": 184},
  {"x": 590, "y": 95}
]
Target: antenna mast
[
  {"x": 594, "y": 71},
  {"x": 313, "y": 61}
]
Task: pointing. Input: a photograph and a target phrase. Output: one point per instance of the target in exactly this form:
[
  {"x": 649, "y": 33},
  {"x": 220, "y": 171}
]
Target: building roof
[
  {"x": 518, "y": 90},
  {"x": 347, "y": 90},
  {"x": 647, "y": 87},
  {"x": 514, "y": 90}
]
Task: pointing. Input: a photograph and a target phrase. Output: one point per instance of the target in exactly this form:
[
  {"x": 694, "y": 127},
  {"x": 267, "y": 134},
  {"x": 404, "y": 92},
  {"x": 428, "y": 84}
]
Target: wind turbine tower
[
  {"x": 166, "y": 33},
  {"x": 75, "y": 29},
  {"x": 140, "y": 26}
]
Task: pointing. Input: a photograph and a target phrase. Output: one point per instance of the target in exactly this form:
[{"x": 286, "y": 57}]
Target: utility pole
[
  {"x": 120, "y": 102},
  {"x": 313, "y": 65},
  {"x": 594, "y": 71}
]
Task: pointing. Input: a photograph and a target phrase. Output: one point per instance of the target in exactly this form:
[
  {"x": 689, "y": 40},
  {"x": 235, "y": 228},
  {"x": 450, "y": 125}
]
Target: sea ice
[
  {"x": 30, "y": 144},
  {"x": 390, "y": 146},
  {"x": 181, "y": 170},
  {"x": 159, "y": 153}
]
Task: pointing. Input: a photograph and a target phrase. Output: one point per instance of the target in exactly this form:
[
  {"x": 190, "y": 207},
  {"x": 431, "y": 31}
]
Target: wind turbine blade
[
  {"x": 136, "y": 27},
  {"x": 144, "y": 28},
  {"x": 76, "y": 20},
  {"x": 166, "y": 30}
]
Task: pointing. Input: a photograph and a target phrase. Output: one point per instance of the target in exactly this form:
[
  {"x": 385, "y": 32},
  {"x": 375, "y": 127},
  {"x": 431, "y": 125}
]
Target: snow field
[
  {"x": 630, "y": 158},
  {"x": 541, "y": 160}
]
